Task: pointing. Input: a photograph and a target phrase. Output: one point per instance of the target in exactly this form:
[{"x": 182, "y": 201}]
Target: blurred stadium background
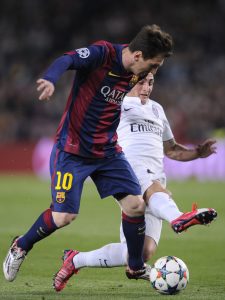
[
  {"x": 191, "y": 88},
  {"x": 190, "y": 85}
]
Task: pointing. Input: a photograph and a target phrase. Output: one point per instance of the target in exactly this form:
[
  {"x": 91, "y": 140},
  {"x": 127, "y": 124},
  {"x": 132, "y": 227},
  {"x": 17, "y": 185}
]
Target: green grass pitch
[{"x": 202, "y": 248}]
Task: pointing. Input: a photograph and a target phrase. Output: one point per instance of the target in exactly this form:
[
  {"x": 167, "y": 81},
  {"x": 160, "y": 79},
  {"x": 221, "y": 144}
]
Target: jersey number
[{"x": 64, "y": 182}]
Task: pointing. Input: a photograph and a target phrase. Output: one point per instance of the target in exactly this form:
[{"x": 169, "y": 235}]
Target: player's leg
[
  {"x": 65, "y": 205},
  {"x": 133, "y": 224},
  {"x": 108, "y": 256},
  {"x": 163, "y": 206},
  {"x": 116, "y": 177},
  {"x": 152, "y": 235},
  {"x": 150, "y": 248},
  {"x": 115, "y": 254},
  {"x": 160, "y": 203},
  {"x": 111, "y": 255}
]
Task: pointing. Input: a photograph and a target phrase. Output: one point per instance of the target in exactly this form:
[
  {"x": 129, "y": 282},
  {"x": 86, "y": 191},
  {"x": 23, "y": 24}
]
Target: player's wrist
[{"x": 199, "y": 151}]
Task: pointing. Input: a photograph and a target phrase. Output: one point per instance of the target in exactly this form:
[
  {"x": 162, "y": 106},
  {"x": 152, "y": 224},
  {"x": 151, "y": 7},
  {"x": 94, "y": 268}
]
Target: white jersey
[{"x": 141, "y": 133}]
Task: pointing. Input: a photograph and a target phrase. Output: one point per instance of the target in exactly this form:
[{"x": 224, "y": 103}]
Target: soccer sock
[
  {"x": 43, "y": 227},
  {"x": 163, "y": 207},
  {"x": 111, "y": 255},
  {"x": 134, "y": 232}
]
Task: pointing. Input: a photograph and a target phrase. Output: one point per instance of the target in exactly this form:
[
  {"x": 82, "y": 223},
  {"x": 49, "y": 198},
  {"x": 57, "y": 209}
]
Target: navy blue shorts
[{"x": 111, "y": 176}]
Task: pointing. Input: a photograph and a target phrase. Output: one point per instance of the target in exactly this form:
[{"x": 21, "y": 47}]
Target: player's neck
[
  {"x": 144, "y": 100},
  {"x": 127, "y": 59}
]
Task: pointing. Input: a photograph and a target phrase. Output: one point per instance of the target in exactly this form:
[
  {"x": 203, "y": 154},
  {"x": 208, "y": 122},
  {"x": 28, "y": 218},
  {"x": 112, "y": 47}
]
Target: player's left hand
[
  {"x": 46, "y": 88},
  {"x": 206, "y": 148}
]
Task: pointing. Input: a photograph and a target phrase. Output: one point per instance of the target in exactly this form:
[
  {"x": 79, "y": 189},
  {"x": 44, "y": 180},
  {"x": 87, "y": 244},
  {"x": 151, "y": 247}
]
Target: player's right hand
[{"x": 46, "y": 88}]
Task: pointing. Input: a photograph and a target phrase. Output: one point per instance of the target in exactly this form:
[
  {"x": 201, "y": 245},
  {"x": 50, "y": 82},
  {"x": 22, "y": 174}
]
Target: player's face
[
  {"x": 143, "y": 88},
  {"x": 142, "y": 67}
]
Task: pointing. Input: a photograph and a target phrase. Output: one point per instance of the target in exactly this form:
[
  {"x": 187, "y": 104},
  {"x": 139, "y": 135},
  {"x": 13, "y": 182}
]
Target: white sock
[
  {"x": 163, "y": 207},
  {"x": 111, "y": 255}
]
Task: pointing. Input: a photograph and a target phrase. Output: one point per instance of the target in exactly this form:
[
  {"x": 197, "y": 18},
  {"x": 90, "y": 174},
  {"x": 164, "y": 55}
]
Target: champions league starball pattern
[{"x": 169, "y": 275}]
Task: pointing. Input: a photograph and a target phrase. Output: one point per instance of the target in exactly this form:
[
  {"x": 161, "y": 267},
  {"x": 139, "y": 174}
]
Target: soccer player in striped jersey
[
  {"x": 86, "y": 142},
  {"x": 145, "y": 135}
]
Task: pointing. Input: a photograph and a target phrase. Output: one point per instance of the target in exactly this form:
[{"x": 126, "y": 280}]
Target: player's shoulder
[
  {"x": 157, "y": 105},
  {"x": 104, "y": 44},
  {"x": 157, "y": 108},
  {"x": 108, "y": 48}
]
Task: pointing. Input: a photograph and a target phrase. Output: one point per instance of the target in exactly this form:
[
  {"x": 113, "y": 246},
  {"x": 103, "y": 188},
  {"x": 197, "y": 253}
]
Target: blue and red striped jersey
[{"x": 91, "y": 117}]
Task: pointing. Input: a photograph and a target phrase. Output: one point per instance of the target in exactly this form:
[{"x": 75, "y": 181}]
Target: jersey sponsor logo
[
  {"x": 155, "y": 111},
  {"x": 83, "y": 52},
  {"x": 114, "y": 96},
  {"x": 112, "y": 74},
  {"x": 146, "y": 127},
  {"x": 60, "y": 197},
  {"x": 126, "y": 109}
]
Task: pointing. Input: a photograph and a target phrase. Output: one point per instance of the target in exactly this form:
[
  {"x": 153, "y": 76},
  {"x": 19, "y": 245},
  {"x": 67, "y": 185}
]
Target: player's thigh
[
  {"x": 115, "y": 176},
  {"x": 68, "y": 173}
]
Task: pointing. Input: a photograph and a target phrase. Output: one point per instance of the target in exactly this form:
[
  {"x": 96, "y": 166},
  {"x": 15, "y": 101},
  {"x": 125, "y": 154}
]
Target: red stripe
[
  {"x": 80, "y": 107},
  {"x": 54, "y": 172},
  {"x": 101, "y": 136},
  {"x": 47, "y": 216},
  {"x": 83, "y": 100},
  {"x": 135, "y": 220},
  {"x": 64, "y": 115}
]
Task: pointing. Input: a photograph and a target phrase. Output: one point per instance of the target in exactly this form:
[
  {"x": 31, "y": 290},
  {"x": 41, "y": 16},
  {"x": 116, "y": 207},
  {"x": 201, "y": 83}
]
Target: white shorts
[
  {"x": 143, "y": 171},
  {"x": 153, "y": 224}
]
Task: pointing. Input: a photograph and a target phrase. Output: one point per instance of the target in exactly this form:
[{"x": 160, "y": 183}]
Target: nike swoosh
[
  {"x": 141, "y": 228},
  {"x": 113, "y": 75},
  {"x": 126, "y": 109}
]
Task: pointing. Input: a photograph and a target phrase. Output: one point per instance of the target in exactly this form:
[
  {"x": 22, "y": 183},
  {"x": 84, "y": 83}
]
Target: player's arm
[
  {"x": 84, "y": 58},
  {"x": 179, "y": 152},
  {"x": 46, "y": 85}
]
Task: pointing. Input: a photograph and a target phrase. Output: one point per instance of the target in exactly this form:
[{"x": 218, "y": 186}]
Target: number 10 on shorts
[{"x": 64, "y": 181}]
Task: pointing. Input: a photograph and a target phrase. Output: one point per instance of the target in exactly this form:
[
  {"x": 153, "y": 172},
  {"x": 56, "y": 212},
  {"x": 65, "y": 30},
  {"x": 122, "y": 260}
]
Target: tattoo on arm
[{"x": 178, "y": 152}]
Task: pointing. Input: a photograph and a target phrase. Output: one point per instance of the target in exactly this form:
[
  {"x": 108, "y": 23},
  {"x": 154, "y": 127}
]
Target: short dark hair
[{"x": 152, "y": 41}]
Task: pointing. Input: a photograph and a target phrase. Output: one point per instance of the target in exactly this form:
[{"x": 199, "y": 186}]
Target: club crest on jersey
[
  {"x": 83, "y": 52},
  {"x": 133, "y": 80},
  {"x": 60, "y": 197},
  {"x": 155, "y": 111}
]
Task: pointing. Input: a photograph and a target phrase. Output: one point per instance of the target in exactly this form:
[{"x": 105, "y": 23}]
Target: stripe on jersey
[{"x": 79, "y": 132}]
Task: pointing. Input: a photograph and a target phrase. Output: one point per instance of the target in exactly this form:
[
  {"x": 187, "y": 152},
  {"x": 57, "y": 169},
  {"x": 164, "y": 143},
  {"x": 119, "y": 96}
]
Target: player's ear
[{"x": 137, "y": 55}]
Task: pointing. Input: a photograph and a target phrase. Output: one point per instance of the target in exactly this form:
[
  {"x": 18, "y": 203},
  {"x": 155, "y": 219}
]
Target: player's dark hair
[{"x": 152, "y": 41}]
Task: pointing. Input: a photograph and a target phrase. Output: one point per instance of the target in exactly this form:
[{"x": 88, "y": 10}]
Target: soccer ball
[{"x": 169, "y": 275}]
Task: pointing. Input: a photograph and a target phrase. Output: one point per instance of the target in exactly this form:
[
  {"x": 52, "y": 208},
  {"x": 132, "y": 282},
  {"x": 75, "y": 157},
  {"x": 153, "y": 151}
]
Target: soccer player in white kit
[{"x": 145, "y": 136}]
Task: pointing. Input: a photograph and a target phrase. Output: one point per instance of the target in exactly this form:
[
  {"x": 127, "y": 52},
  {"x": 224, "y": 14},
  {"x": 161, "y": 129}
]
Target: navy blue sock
[
  {"x": 134, "y": 231},
  {"x": 43, "y": 227}
]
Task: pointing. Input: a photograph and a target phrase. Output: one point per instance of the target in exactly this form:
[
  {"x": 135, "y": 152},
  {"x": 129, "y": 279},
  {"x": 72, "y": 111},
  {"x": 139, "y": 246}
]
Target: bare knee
[
  {"x": 154, "y": 188},
  {"x": 133, "y": 206},
  {"x": 63, "y": 219}
]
